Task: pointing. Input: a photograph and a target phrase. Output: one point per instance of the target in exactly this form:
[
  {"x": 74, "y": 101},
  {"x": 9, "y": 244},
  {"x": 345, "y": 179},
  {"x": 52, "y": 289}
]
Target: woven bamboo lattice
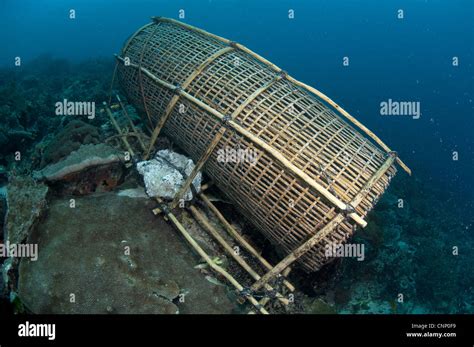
[{"x": 313, "y": 169}]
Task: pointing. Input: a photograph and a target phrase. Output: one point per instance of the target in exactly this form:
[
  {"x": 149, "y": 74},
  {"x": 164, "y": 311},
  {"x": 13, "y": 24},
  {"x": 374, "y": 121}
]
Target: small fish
[
  {"x": 215, "y": 260},
  {"x": 214, "y": 280},
  {"x": 214, "y": 198}
]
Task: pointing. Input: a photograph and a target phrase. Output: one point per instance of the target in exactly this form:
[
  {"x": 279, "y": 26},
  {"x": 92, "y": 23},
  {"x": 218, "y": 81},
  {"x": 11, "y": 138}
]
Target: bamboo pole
[
  {"x": 117, "y": 128},
  {"x": 113, "y": 81},
  {"x": 325, "y": 231},
  {"x": 239, "y": 238},
  {"x": 142, "y": 145},
  {"x": 175, "y": 98},
  {"x": 170, "y": 216},
  {"x": 211, "y": 264},
  {"x": 202, "y": 220},
  {"x": 158, "y": 19},
  {"x": 262, "y": 144},
  {"x": 205, "y": 156},
  {"x": 125, "y": 47},
  {"x": 140, "y": 77},
  {"x": 221, "y": 132},
  {"x": 310, "y": 89},
  {"x": 297, "y": 253}
]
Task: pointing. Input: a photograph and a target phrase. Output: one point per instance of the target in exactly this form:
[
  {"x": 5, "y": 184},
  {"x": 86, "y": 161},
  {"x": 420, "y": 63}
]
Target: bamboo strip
[
  {"x": 221, "y": 132},
  {"x": 202, "y": 220},
  {"x": 114, "y": 75},
  {"x": 325, "y": 231},
  {"x": 117, "y": 128},
  {"x": 262, "y": 144},
  {"x": 254, "y": 95},
  {"x": 351, "y": 119},
  {"x": 140, "y": 77},
  {"x": 312, "y": 90},
  {"x": 124, "y": 49},
  {"x": 197, "y": 167},
  {"x": 175, "y": 98},
  {"x": 239, "y": 238},
  {"x": 211, "y": 264},
  {"x": 142, "y": 145},
  {"x": 158, "y": 19}
]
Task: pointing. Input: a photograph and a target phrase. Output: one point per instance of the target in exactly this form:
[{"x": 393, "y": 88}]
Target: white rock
[{"x": 162, "y": 175}]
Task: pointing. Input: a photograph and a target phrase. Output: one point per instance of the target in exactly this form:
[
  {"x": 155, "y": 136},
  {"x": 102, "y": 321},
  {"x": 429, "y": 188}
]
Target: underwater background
[{"x": 409, "y": 249}]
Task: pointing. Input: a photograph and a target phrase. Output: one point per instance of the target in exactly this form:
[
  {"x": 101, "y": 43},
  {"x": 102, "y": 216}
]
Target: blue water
[{"x": 406, "y": 59}]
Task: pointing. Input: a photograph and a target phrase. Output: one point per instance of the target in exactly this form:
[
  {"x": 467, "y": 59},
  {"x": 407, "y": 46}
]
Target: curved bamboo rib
[
  {"x": 328, "y": 228},
  {"x": 242, "y": 241},
  {"x": 199, "y": 216},
  {"x": 175, "y": 98},
  {"x": 207, "y": 153},
  {"x": 254, "y": 95},
  {"x": 257, "y": 141},
  {"x": 310, "y": 89},
  {"x": 140, "y": 77},
  {"x": 212, "y": 265},
  {"x": 125, "y": 47}
]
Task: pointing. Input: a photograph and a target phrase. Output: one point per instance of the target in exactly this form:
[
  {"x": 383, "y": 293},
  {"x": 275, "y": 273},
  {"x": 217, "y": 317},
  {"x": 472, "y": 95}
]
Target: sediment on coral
[
  {"x": 132, "y": 263},
  {"x": 25, "y": 202},
  {"x": 28, "y": 95},
  {"x": 74, "y": 135},
  {"x": 85, "y": 157}
]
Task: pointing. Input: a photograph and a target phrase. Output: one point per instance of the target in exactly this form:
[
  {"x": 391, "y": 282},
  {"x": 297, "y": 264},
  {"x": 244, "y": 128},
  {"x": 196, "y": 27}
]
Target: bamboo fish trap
[{"x": 315, "y": 176}]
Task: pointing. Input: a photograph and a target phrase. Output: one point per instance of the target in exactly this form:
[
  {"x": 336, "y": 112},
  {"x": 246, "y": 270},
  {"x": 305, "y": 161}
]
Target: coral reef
[
  {"x": 86, "y": 156},
  {"x": 92, "y": 168},
  {"x": 409, "y": 252},
  {"x": 26, "y": 201},
  {"x": 116, "y": 257},
  {"x": 28, "y": 95},
  {"x": 75, "y": 134}
]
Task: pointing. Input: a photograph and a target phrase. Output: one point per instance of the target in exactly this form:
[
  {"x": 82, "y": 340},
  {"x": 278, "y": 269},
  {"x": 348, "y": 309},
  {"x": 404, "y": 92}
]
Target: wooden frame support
[
  {"x": 228, "y": 248},
  {"x": 199, "y": 216},
  {"x": 308, "y": 88},
  {"x": 171, "y": 217},
  {"x": 117, "y": 128},
  {"x": 197, "y": 167},
  {"x": 260, "y": 143},
  {"x": 124, "y": 111},
  {"x": 248, "y": 247},
  {"x": 207, "y": 153},
  {"x": 174, "y": 99},
  {"x": 325, "y": 231}
]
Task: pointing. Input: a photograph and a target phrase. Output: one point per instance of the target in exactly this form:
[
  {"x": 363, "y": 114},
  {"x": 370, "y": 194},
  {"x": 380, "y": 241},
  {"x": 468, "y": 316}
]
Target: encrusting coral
[
  {"x": 85, "y": 157},
  {"x": 69, "y": 139}
]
